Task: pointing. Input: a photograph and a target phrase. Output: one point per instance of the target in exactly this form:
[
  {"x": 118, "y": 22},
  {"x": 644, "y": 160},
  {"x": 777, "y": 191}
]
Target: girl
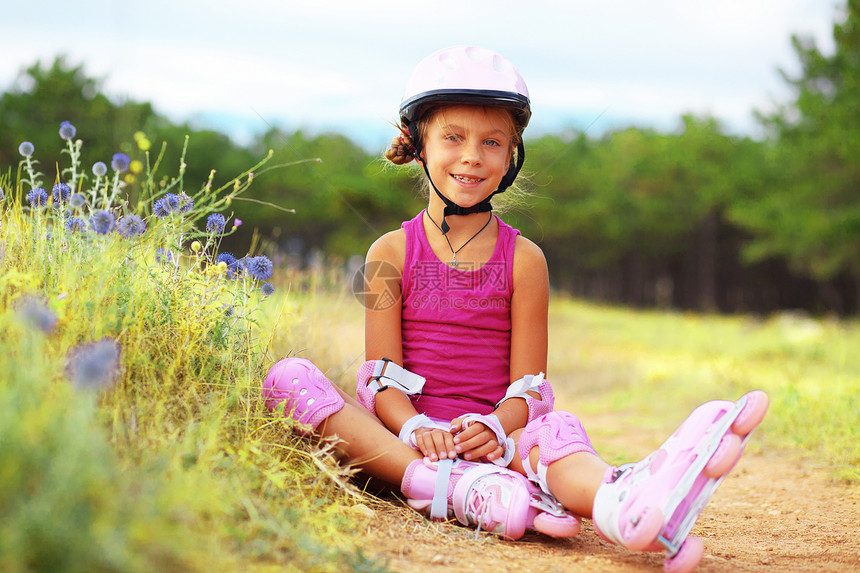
[{"x": 452, "y": 402}]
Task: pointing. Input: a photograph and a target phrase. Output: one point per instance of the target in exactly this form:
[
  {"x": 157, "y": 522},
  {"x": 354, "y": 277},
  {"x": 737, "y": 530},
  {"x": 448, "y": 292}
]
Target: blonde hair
[{"x": 403, "y": 151}]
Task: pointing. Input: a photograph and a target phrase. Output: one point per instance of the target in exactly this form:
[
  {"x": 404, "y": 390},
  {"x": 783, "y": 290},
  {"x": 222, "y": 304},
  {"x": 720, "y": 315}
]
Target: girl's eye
[{"x": 492, "y": 142}]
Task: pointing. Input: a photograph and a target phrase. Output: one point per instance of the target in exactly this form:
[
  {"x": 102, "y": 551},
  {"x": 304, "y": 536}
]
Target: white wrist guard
[
  {"x": 532, "y": 383},
  {"x": 407, "y": 431},
  {"x": 377, "y": 375},
  {"x": 492, "y": 422}
]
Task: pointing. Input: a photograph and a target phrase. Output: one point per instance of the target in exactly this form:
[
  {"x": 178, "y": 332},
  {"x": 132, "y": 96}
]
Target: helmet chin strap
[{"x": 452, "y": 208}]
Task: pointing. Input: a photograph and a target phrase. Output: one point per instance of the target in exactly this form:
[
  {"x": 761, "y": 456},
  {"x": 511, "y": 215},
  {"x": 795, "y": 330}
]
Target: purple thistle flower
[
  {"x": 231, "y": 262},
  {"x": 77, "y": 201},
  {"x": 186, "y": 203},
  {"x": 268, "y": 289},
  {"x": 242, "y": 266},
  {"x": 227, "y": 258},
  {"x": 120, "y": 162},
  {"x": 95, "y": 365},
  {"x": 164, "y": 256},
  {"x": 259, "y": 267},
  {"x": 131, "y": 226},
  {"x": 166, "y": 205},
  {"x": 102, "y": 221},
  {"x": 172, "y": 201},
  {"x": 99, "y": 169},
  {"x": 37, "y": 197},
  {"x": 26, "y": 149},
  {"x": 67, "y": 130},
  {"x": 76, "y": 225},
  {"x": 215, "y": 223},
  {"x": 61, "y": 192},
  {"x": 160, "y": 208},
  {"x": 35, "y": 312}
]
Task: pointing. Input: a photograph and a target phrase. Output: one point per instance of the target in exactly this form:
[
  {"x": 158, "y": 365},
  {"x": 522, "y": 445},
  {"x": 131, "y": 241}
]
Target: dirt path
[{"x": 771, "y": 514}]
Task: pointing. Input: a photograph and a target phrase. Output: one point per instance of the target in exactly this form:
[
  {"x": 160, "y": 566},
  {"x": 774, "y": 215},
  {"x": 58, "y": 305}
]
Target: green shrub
[{"x": 132, "y": 433}]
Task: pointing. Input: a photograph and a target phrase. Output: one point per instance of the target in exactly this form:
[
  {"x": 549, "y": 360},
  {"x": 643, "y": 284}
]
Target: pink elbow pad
[
  {"x": 532, "y": 383},
  {"x": 377, "y": 375}
]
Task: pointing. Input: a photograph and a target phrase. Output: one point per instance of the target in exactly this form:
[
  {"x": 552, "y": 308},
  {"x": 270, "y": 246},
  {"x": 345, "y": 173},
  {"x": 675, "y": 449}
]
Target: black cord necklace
[{"x": 453, "y": 262}]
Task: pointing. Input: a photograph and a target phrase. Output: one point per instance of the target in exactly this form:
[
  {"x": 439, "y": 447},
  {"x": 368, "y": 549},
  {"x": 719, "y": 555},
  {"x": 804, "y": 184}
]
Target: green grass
[{"x": 656, "y": 365}]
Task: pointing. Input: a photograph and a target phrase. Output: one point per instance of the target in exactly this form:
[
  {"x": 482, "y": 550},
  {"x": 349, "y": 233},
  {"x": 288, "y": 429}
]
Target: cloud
[{"x": 339, "y": 63}]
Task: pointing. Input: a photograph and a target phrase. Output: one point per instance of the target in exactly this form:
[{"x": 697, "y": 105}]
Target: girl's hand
[
  {"x": 476, "y": 442},
  {"x": 434, "y": 443}
]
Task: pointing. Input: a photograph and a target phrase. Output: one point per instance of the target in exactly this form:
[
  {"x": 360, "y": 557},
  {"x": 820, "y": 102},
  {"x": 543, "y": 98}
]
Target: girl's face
[{"x": 468, "y": 150}]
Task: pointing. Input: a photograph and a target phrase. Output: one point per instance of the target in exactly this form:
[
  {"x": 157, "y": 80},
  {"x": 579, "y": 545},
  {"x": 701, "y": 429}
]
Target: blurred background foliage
[{"x": 695, "y": 218}]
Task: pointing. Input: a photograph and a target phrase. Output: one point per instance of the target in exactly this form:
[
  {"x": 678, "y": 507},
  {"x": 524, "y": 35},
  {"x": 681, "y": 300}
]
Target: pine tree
[{"x": 811, "y": 214}]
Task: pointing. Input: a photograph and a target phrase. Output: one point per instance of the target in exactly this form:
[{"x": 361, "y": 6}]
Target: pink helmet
[{"x": 466, "y": 74}]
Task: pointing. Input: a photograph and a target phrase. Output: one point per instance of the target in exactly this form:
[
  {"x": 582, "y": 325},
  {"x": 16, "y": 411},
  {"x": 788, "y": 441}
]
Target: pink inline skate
[
  {"x": 548, "y": 516},
  {"x": 486, "y": 496},
  {"x": 652, "y": 505}
]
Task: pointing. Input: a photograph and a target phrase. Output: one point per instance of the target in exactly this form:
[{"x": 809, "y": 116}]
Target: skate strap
[
  {"x": 407, "y": 430},
  {"x": 538, "y": 477},
  {"x": 439, "y": 506},
  {"x": 492, "y": 422}
]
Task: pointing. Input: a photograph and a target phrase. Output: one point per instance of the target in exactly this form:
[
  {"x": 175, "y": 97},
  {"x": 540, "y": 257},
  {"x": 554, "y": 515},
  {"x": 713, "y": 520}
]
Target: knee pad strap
[
  {"x": 308, "y": 396},
  {"x": 556, "y": 434}
]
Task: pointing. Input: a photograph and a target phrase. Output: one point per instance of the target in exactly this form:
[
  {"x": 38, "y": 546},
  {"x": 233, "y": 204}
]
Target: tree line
[{"x": 692, "y": 219}]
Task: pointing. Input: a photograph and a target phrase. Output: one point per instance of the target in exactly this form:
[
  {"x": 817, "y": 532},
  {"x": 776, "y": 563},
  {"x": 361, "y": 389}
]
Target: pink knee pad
[
  {"x": 557, "y": 434},
  {"x": 310, "y": 397}
]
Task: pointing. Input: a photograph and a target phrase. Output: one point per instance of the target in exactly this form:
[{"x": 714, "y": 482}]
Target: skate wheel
[
  {"x": 638, "y": 536},
  {"x": 752, "y": 413},
  {"x": 557, "y": 526},
  {"x": 686, "y": 559},
  {"x": 725, "y": 457}
]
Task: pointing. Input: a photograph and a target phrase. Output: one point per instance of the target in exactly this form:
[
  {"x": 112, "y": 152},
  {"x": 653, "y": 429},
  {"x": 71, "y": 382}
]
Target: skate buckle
[{"x": 545, "y": 503}]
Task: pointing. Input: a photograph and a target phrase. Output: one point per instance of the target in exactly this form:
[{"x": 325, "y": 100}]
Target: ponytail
[{"x": 402, "y": 150}]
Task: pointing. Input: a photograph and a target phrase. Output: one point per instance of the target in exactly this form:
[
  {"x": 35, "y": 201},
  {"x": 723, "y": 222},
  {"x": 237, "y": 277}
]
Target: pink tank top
[{"x": 456, "y": 325}]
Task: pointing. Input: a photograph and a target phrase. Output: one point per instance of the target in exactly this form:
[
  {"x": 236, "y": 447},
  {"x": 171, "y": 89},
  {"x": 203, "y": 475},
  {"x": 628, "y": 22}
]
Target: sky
[{"x": 341, "y": 65}]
